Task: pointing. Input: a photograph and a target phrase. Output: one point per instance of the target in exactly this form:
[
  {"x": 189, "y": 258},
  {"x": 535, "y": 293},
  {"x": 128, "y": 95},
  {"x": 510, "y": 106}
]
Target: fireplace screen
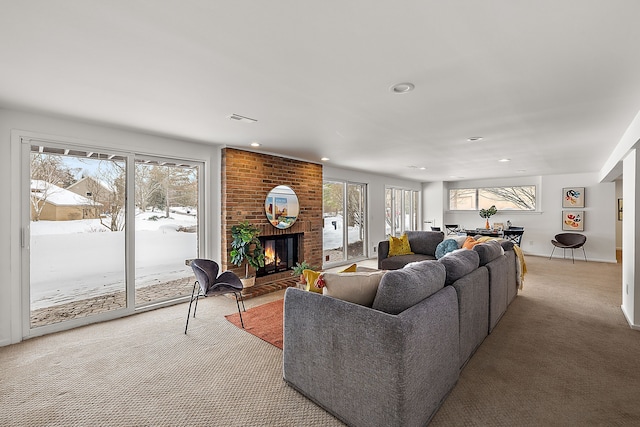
[{"x": 280, "y": 253}]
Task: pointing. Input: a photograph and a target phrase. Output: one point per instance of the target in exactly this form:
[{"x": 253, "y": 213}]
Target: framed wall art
[
  {"x": 573, "y": 197},
  {"x": 573, "y": 220}
]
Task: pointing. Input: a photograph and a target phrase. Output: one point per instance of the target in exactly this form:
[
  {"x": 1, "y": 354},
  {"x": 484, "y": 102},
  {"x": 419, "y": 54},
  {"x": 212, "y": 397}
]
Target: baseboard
[{"x": 631, "y": 325}]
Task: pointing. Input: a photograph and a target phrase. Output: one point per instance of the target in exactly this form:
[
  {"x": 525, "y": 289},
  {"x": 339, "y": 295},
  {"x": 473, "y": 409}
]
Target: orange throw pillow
[{"x": 469, "y": 243}]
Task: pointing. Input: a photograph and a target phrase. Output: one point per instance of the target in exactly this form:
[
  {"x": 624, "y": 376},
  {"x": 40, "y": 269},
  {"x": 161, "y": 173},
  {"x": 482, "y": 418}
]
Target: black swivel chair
[
  {"x": 211, "y": 284},
  {"x": 569, "y": 241}
]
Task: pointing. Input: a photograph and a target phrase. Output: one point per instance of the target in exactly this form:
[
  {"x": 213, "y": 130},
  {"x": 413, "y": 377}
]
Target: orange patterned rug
[{"x": 263, "y": 321}]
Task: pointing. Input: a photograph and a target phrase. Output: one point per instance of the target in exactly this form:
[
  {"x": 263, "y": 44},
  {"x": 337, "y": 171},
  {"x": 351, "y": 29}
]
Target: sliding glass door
[
  {"x": 77, "y": 240},
  {"x": 345, "y": 227},
  {"x": 91, "y": 250},
  {"x": 166, "y": 211}
]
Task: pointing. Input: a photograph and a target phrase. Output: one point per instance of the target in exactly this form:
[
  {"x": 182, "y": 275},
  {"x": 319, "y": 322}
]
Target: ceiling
[{"x": 551, "y": 85}]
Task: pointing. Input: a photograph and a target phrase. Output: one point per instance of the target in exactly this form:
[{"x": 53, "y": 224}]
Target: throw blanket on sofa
[{"x": 521, "y": 265}]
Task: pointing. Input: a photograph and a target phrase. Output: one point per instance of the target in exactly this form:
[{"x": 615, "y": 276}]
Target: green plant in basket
[{"x": 246, "y": 247}]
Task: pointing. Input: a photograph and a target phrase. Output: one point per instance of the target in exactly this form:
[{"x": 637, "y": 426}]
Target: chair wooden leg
[{"x": 189, "y": 312}]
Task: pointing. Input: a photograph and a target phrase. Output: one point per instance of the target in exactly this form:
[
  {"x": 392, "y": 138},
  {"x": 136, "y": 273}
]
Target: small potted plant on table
[
  {"x": 488, "y": 213},
  {"x": 298, "y": 269},
  {"x": 247, "y": 250}
]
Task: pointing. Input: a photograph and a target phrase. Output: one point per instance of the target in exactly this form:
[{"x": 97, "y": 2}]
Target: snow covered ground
[
  {"x": 76, "y": 259},
  {"x": 73, "y": 260}
]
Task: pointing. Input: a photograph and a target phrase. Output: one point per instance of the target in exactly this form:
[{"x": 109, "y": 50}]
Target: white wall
[
  {"x": 92, "y": 135},
  {"x": 630, "y": 262},
  {"x": 540, "y": 227},
  {"x": 375, "y": 197},
  {"x": 433, "y": 206}
]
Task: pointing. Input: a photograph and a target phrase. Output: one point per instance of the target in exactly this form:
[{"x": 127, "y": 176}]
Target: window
[
  {"x": 401, "y": 210},
  {"x": 345, "y": 225},
  {"x": 517, "y": 198}
]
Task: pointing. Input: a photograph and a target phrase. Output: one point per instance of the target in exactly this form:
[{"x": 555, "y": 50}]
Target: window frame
[{"x": 476, "y": 198}]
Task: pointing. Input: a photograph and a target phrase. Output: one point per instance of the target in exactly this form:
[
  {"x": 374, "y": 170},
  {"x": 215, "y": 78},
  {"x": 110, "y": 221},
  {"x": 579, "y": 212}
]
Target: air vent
[{"x": 240, "y": 118}]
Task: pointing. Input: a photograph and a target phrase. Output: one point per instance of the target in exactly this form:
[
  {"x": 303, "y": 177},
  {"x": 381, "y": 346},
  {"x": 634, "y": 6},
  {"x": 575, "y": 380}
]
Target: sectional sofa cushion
[
  {"x": 446, "y": 246},
  {"x": 459, "y": 263},
  {"x": 488, "y": 251},
  {"x": 404, "y": 288},
  {"x": 424, "y": 242},
  {"x": 357, "y": 287}
]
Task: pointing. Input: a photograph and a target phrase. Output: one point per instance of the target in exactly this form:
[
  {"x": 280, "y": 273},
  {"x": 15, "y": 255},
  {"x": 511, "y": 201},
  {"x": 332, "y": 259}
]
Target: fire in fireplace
[{"x": 280, "y": 253}]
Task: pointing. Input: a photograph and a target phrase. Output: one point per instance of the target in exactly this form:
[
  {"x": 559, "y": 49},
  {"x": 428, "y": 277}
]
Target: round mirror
[{"x": 281, "y": 207}]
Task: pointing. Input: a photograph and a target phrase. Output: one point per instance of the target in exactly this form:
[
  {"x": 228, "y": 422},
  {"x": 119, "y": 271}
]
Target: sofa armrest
[
  {"x": 383, "y": 252},
  {"x": 362, "y": 364}
]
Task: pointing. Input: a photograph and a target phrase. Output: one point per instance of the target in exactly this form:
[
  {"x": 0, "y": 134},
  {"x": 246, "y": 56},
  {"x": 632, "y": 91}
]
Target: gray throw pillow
[
  {"x": 404, "y": 288},
  {"x": 459, "y": 263}
]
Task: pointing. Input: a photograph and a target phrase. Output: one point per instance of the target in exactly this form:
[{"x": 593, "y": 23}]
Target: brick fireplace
[{"x": 247, "y": 178}]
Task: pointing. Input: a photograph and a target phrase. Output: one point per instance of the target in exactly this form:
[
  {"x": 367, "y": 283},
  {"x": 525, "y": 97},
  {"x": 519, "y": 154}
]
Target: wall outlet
[{"x": 375, "y": 249}]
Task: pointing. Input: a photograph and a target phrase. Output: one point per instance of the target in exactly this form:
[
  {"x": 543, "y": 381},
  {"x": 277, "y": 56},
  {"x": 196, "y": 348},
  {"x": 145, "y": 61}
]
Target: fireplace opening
[{"x": 280, "y": 253}]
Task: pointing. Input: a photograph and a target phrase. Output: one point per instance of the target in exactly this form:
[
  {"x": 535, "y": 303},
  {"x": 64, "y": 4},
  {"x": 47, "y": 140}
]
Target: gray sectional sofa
[
  {"x": 394, "y": 363},
  {"x": 423, "y": 245}
]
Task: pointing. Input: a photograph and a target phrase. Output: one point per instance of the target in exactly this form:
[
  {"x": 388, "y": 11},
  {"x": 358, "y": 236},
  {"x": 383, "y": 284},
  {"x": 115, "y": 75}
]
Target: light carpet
[{"x": 563, "y": 354}]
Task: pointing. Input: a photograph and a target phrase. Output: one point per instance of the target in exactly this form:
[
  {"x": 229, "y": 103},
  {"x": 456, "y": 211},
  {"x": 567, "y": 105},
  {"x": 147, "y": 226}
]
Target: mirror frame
[{"x": 282, "y": 198}]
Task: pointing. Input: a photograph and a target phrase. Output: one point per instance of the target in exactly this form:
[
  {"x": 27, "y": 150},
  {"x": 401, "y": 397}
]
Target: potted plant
[
  {"x": 488, "y": 213},
  {"x": 298, "y": 269},
  {"x": 246, "y": 249}
]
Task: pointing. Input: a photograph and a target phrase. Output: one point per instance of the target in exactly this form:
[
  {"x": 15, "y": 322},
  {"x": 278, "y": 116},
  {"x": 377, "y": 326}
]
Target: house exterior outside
[
  {"x": 94, "y": 190},
  {"x": 57, "y": 204}
]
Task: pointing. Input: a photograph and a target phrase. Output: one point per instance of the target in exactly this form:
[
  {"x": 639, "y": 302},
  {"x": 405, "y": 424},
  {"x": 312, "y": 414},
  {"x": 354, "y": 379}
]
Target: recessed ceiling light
[
  {"x": 325, "y": 159},
  {"x": 474, "y": 138},
  {"x": 402, "y": 88},
  {"x": 504, "y": 160},
  {"x": 255, "y": 144}
]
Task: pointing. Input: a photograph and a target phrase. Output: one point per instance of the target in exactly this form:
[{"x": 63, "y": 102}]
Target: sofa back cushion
[
  {"x": 459, "y": 263},
  {"x": 404, "y": 288},
  {"x": 488, "y": 251},
  {"x": 425, "y": 242},
  {"x": 356, "y": 287}
]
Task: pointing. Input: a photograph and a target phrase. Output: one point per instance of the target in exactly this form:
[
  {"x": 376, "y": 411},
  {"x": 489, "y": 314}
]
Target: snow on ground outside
[
  {"x": 76, "y": 260},
  {"x": 73, "y": 260}
]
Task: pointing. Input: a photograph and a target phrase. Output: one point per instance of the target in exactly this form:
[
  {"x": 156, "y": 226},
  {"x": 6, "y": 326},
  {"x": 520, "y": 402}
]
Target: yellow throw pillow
[
  {"x": 399, "y": 246},
  {"x": 310, "y": 277},
  {"x": 351, "y": 269}
]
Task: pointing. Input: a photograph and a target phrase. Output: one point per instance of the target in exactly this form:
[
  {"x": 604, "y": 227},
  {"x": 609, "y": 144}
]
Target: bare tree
[
  {"x": 48, "y": 173},
  {"x": 523, "y": 196},
  {"x": 111, "y": 174}
]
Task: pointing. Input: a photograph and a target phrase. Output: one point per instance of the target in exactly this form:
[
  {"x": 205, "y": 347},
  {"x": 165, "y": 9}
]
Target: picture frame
[
  {"x": 573, "y": 197},
  {"x": 619, "y": 209},
  {"x": 573, "y": 220}
]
